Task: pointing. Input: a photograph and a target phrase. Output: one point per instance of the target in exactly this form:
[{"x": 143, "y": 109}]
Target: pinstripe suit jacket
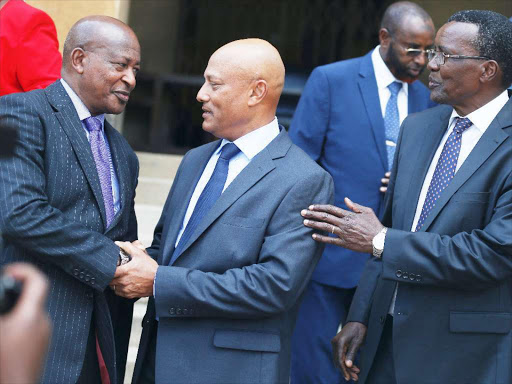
[{"x": 52, "y": 215}]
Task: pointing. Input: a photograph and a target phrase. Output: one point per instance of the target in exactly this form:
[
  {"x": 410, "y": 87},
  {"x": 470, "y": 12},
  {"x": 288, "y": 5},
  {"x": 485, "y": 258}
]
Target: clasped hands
[{"x": 134, "y": 279}]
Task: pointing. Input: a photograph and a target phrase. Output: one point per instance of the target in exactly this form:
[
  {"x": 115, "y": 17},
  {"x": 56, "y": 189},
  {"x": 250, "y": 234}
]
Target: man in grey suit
[
  {"x": 68, "y": 192},
  {"x": 233, "y": 256}
]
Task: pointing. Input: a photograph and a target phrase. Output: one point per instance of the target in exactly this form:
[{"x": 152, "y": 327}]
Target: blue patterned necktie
[
  {"x": 392, "y": 120},
  {"x": 445, "y": 168},
  {"x": 103, "y": 162},
  {"x": 209, "y": 196}
]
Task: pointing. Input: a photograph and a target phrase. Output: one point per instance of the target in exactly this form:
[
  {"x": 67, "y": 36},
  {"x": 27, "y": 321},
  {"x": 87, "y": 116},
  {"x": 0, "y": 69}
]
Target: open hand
[{"x": 353, "y": 229}]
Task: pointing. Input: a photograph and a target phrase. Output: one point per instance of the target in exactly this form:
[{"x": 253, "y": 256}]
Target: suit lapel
[
  {"x": 181, "y": 200},
  {"x": 413, "y": 99},
  {"x": 261, "y": 164},
  {"x": 68, "y": 119},
  {"x": 120, "y": 162},
  {"x": 430, "y": 138},
  {"x": 488, "y": 143},
  {"x": 370, "y": 95}
]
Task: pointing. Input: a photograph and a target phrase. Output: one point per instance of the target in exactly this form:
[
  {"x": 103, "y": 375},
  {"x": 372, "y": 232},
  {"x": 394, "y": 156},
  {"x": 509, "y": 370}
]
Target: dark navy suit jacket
[
  {"x": 453, "y": 312},
  {"x": 227, "y": 305},
  {"x": 52, "y": 215},
  {"x": 339, "y": 123}
]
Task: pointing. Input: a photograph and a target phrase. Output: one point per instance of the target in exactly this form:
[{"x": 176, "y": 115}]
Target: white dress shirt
[
  {"x": 250, "y": 145},
  {"x": 481, "y": 119},
  {"x": 384, "y": 77},
  {"x": 83, "y": 113}
]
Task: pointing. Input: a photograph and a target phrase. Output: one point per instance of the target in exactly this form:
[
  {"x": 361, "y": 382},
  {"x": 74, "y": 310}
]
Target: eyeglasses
[
  {"x": 414, "y": 52},
  {"x": 440, "y": 57}
]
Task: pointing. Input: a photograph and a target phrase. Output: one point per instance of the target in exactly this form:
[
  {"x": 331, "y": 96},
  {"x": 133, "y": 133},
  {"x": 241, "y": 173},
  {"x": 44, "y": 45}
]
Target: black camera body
[{"x": 10, "y": 290}]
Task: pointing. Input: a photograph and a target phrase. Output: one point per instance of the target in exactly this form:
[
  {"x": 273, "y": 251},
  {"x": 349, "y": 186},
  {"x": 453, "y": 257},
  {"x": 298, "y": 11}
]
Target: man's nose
[{"x": 202, "y": 96}]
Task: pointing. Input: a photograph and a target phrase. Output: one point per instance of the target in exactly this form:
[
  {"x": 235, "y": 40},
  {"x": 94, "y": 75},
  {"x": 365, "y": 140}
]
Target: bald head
[
  {"x": 243, "y": 82},
  {"x": 253, "y": 60},
  {"x": 93, "y": 32},
  {"x": 401, "y": 11},
  {"x": 100, "y": 61}
]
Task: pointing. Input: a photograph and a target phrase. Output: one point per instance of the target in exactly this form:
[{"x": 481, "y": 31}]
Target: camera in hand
[{"x": 10, "y": 290}]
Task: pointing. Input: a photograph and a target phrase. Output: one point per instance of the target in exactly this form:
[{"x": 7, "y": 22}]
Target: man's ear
[
  {"x": 259, "y": 90},
  {"x": 384, "y": 38},
  {"x": 78, "y": 59},
  {"x": 490, "y": 69}
]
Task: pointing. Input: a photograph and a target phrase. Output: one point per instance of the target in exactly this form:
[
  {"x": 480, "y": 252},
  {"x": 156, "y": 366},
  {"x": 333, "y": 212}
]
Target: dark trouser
[
  {"x": 382, "y": 370},
  {"x": 91, "y": 367},
  {"x": 322, "y": 310},
  {"x": 147, "y": 372}
]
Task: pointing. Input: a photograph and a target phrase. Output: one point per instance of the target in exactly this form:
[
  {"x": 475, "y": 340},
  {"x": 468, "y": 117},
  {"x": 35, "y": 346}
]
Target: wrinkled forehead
[
  {"x": 456, "y": 36},
  {"x": 225, "y": 66}
]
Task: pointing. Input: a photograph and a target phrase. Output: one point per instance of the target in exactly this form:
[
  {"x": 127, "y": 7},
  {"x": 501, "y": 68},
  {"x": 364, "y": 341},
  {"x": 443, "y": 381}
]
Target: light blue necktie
[
  {"x": 392, "y": 120},
  {"x": 445, "y": 168},
  {"x": 209, "y": 196}
]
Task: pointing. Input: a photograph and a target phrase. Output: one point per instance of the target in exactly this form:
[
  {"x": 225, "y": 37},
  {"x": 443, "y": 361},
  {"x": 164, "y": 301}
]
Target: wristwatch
[
  {"x": 378, "y": 242},
  {"x": 123, "y": 258}
]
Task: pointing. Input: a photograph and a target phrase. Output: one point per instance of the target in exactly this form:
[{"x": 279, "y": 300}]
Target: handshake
[{"x": 135, "y": 273}]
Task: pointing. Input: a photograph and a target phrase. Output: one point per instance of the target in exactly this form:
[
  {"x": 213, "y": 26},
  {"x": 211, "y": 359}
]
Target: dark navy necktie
[
  {"x": 103, "y": 162},
  {"x": 445, "y": 168},
  {"x": 392, "y": 120},
  {"x": 208, "y": 197}
]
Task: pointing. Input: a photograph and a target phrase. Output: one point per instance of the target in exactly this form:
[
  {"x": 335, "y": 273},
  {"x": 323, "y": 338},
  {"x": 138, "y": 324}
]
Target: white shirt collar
[
  {"x": 483, "y": 116},
  {"x": 253, "y": 143},
  {"x": 383, "y": 75},
  {"x": 81, "y": 109}
]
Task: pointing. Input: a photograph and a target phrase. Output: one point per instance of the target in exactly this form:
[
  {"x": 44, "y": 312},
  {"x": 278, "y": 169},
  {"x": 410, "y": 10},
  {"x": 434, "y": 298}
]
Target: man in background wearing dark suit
[
  {"x": 68, "y": 192},
  {"x": 348, "y": 120},
  {"x": 233, "y": 259},
  {"x": 437, "y": 295}
]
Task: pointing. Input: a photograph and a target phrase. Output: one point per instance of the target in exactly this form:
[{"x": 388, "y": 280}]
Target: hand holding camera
[{"x": 24, "y": 329}]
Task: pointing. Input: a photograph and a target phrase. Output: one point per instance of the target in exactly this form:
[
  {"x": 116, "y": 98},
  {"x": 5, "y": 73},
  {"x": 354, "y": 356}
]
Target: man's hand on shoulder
[
  {"x": 345, "y": 346},
  {"x": 353, "y": 229},
  {"x": 134, "y": 279}
]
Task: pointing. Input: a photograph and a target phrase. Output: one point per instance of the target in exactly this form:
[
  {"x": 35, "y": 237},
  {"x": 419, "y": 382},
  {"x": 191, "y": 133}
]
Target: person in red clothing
[{"x": 29, "y": 49}]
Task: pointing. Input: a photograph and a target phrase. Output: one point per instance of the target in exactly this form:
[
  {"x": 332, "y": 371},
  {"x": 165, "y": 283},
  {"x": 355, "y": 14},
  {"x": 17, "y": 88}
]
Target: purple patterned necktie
[
  {"x": 103, "y": 163},
  {"x": 445, "y": 168}
]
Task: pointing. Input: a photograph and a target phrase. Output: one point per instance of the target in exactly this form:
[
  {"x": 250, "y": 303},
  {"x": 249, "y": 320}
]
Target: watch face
[{"x": 379, "y": 241}]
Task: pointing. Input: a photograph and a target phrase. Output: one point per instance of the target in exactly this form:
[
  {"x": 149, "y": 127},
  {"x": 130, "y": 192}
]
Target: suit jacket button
[
  {"x": 412, "y": 276},
  {"x": 76, "y": 272},
  {"x": 93, "y": 280},
  {"x": 185, "y": 311},
  {"x": 87, "y": 278},
  {"x": 398, "y": 273},
  {"x": 191, "y": 312},
  {"x": 178, "y": 311},
  {"x": 418, "y": 277},
  {"x": 405, "y": 275},
  {"x": 172, "y": 311},
  {"x": 82, "y": 275}
]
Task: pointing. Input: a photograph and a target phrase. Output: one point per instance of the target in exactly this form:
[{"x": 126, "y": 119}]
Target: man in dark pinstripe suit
[{"x": 68, "y": 193}]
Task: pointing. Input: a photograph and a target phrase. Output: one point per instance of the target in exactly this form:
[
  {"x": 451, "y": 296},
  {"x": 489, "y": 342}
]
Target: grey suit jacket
[
  {"x": 52, "y": 215},
  {"x": 227, "y": 306},
  {"x": 453, "y": 312}
]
